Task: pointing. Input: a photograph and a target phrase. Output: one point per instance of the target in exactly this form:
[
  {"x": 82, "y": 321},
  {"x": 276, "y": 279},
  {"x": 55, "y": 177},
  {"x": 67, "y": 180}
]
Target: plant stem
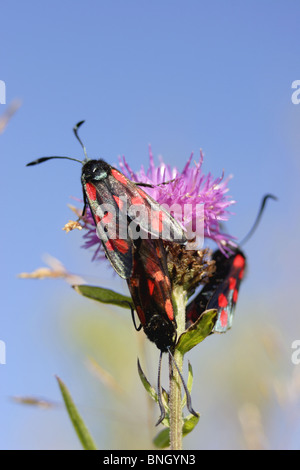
[{"x": 176, "y": 422}]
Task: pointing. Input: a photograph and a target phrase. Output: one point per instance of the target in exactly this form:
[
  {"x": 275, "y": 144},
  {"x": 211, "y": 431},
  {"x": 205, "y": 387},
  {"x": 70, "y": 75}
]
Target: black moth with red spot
[
  {"x": 150, "y": 289},
  {"x": 221, "y": 291},
  {"x": 123, "y": 212}
]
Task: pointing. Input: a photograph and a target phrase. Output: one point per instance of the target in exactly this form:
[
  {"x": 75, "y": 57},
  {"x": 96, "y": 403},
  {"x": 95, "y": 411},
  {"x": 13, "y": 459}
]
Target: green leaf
[
  {"x": 165, "y": 400},
  {"x": 197, "y": 332},
  {"x": 79, "y": 426},
  {"x": 148, "y": 387},
  {"x": 162, "y": 440},
  {"x": 105, "y": 296},
  {"x": 189, "y": 422}
]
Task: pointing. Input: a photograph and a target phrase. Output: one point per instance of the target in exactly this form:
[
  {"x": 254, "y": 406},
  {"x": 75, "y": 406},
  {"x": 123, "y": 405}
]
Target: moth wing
[
  {"x": 225, "y": 297},
  {"x": 153, "y": 256},
  {"x": 150, "y": 284},
  {"x": 221, "y": 292},
  {"x": 118, "y": 251},
  {"x": 110, "y": 223}
]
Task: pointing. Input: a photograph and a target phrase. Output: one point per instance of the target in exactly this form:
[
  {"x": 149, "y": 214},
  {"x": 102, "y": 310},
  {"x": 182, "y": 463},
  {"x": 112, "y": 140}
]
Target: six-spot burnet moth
[
  {"x": 150, "y": 289},
  {"x": 221, "y": 291},
  {"x": 121, "y": 210}
]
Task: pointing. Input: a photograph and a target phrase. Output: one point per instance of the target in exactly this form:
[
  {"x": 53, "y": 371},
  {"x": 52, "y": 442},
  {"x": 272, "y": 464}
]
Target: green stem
[{"x": 176, "y": 421}]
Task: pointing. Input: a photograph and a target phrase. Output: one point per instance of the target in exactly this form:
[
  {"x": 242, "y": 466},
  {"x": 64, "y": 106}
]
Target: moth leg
[
  {"x": 148, "y": 185},
  {"x": 138, "y": 328},
  {"x": 159, "y": 397}
]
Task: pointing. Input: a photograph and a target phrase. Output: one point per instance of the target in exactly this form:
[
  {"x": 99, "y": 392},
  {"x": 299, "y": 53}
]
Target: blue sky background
[{"x": 182, "y": 76}]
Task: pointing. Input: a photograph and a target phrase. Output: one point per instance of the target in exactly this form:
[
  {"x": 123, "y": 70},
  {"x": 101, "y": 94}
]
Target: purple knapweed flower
[{"x": 192, "y": 193}]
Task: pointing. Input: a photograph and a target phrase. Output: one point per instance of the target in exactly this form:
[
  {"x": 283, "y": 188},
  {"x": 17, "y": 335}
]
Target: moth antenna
[
  {"x": 159, "y": 397},
  {"x": 44, "y": 159},
  {"x": 258, "y": 217},
  {"x": 188, "y": 395},
  {"x": 75, "y": 130}
]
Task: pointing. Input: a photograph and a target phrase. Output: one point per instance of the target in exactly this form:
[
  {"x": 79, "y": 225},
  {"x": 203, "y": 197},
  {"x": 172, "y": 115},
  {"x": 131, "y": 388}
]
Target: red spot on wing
[
  {"x": 121, "y": 245},
  {"x": 97, "y": 218},
  {"x": 121, "y": 178},
  {"x": 91, "y": 191},
  {"x": 232, "y": 283},
  {"x": 137, "y": 201},
  {"x": 235, "y": 295},
  {"x": 117, "y": 245},
  {"x": 222, "y": 301},
  {"x": 109, "y": 245},
  {"x": 241, "y": 274},
  {"x": 150, "y": 286},
  {"x": 239, "y": 261},
  {"x": 223, "y": 318},
  {"x": 157, "y": 221},
  {"x": 169, "y": 309}
]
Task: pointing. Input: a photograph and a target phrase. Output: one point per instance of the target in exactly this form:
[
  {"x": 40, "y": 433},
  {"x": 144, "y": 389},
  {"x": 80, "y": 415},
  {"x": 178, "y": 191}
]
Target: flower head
[{"x": 195, "y": 195}]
